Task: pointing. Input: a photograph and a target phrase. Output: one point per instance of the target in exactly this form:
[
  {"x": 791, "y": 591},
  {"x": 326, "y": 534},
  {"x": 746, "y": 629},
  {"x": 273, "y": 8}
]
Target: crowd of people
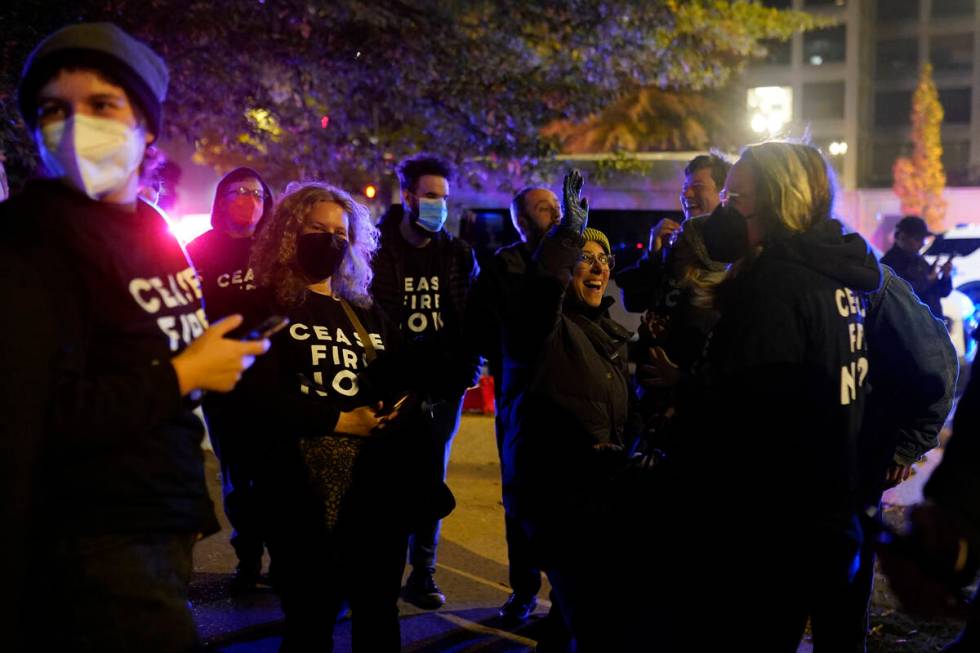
[{"x": 777, "y": 359}]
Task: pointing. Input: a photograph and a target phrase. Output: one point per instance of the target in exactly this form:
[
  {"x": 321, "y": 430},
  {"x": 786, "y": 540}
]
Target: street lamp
[{"x": 770, "y": 108}]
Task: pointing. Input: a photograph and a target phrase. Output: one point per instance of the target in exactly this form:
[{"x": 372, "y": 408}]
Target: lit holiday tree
[{"x": 920, "y": 179}]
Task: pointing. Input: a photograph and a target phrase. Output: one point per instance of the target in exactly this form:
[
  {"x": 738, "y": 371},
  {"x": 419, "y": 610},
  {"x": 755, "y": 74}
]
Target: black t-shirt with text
[
  {"x": 423, "y": 307},
  {"x": 127, "y": 448},
  {"x": 226, "y": 278}
]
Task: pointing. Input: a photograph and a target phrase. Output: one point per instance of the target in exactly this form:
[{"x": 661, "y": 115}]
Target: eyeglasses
[
  {"x": 241, "y": 191},
  {"x": 726, "y": 196},
  {"x": 607, "y": 261}
]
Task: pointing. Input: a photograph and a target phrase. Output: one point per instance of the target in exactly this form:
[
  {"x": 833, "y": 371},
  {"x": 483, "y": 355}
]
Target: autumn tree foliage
[
  {"x": 343, "y": 89},
  {"x": 919, "y": 179}
]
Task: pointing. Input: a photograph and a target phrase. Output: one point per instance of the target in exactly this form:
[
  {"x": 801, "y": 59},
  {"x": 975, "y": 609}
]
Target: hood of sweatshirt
[
  {"x": 238, "y": 174},
  {"x": 827, "y": 249}
]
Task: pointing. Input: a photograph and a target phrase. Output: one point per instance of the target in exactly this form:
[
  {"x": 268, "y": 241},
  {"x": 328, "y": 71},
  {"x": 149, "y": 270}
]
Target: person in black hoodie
[
  {"x": 422, "y": 277},
  {"x": 781, "y": 408},
  {"x": 242, "y": 204},
  {"x": 104, "y": 364}
]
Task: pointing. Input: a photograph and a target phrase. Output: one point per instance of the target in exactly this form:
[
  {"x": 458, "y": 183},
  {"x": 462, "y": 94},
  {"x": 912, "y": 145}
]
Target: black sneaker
[
  {"x": 421, "y": 591},
  {"x": 517, "y": 608}
]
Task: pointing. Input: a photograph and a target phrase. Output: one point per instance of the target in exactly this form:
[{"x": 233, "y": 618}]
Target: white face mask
[{"x": 94, "y": 155}]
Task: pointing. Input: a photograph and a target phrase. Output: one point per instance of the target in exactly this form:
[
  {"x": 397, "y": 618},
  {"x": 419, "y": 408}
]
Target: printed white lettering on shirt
[
  {"x": 339, "y": 354},
  {"x": 422, "y": 299},
  {"x": 850, "y": 306}
]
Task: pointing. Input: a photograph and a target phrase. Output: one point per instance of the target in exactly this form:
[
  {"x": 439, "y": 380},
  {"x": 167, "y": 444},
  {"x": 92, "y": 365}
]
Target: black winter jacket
[{"x": 565, "y": 390}]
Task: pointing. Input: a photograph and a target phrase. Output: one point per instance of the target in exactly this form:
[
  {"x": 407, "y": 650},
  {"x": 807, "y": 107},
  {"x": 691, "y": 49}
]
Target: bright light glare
[
  {"x": 190, "y": 226},
  {"x": 770, "y": 108}
]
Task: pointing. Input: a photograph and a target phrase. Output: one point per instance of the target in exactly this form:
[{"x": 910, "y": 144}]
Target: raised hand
[{"x": 575, "y": 208}]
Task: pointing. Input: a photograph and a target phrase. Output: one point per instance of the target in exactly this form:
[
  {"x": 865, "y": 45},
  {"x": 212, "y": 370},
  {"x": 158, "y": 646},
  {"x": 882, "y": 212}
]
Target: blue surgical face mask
[{"x": 432, "y": 214}]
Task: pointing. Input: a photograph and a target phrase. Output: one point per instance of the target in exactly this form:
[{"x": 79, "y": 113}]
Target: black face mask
[
  {"x": 725, "y": 234},
  {"x": 320, "y": 254}
]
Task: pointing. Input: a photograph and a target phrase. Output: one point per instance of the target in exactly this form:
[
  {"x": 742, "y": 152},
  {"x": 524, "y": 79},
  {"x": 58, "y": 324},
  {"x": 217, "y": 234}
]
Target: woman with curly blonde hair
[
  {"x": 274, "y": 254},
  {"x": 326, "y": 482}
]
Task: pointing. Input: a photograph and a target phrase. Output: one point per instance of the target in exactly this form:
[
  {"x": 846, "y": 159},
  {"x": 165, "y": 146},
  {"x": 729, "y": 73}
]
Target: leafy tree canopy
[{"x": 343, "y": 89}]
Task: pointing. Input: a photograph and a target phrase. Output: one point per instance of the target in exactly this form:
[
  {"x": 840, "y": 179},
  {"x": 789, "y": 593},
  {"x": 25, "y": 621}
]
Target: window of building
[
  {"x": 952, "y": 53},
  {"x": 883, "y": 157},
  {"x": 956, "y": 104},
  {"x": 897, "y": 58},
  {"x": 892, "y": 108},
  {"x": 823, "y": 101},
  {"x": 956, "y": 161},
  {"x": 780, "y": 52},
  {"x": 825, "y": 3},
  {"x": 950, "y": 8},
  {"x": 778, "y": 4},
  {"x": 897, "y": 10},
  {"x": 825, "y": 46}
]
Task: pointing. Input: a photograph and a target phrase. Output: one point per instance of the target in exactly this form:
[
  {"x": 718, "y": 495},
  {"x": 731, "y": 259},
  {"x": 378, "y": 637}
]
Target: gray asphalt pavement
[
  {"x": 472, "y": 569},
  {"x": 472, "y": 572}
]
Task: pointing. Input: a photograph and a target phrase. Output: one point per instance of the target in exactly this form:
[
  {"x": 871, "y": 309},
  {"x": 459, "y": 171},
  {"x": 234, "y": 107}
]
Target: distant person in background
[
  {"x": 242, "y": 203},
  {"x": 930, "y": 282}
]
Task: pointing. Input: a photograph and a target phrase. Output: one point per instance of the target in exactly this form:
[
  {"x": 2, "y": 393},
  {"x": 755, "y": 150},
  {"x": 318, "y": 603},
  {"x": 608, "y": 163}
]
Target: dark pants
[
  {"x": 442, "y": 427},
  {"x": 235, "y": 448},
  {"x": 108, "y": 593},
  {"x": 360, "y": 561},
  {"x": 523, "y": 570}
]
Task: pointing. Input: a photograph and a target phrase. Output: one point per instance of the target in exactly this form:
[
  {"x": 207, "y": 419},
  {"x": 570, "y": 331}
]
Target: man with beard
[
  {"x": 242, "y": 201},
  {"x": 534, "y": 210},
  {"x": 422, "y": 277}
]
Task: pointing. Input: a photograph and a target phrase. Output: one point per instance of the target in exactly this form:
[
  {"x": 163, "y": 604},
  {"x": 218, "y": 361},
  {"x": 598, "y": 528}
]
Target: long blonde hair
[
  {"x": 273, "y": 256},
  {"x": 795, "y": 187}
]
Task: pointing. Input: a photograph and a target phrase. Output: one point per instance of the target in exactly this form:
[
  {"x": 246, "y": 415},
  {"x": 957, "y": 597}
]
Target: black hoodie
[
  {"x": 788, "y": 363},
  {"x": 222, "y": 261}
]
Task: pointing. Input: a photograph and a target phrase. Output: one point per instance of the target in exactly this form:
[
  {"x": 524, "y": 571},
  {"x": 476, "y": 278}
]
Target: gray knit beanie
[{"x": 103, "y": 47}]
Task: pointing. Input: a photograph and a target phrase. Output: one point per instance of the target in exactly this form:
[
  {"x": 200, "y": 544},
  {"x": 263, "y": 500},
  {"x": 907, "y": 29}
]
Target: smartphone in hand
[{"x": 267, "y": 328}]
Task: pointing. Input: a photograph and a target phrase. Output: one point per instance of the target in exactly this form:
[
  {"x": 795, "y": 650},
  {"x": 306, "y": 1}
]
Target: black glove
[{"x": 575, "y": 209}]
